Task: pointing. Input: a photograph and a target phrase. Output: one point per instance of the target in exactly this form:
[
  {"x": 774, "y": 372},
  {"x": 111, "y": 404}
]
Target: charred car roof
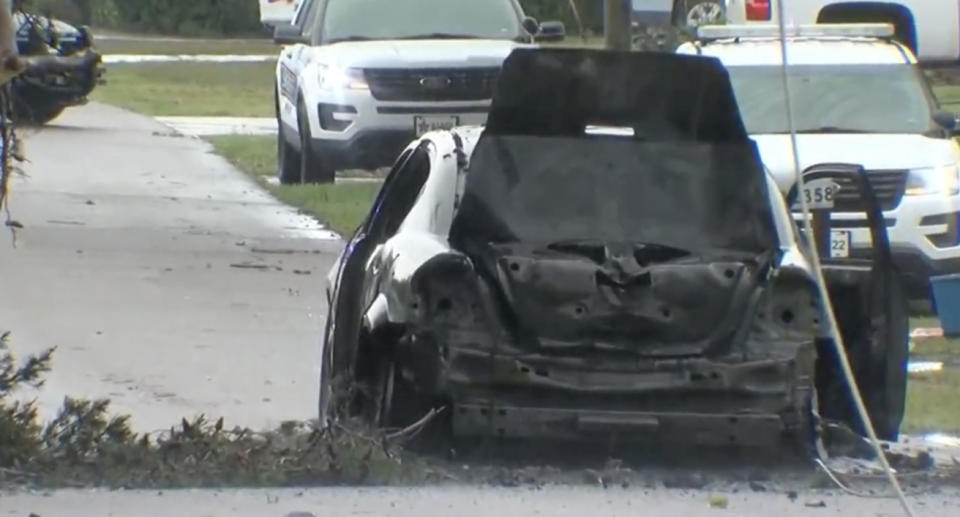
[
  {"x": 558, "y": 92},
  {"x": 689, "y": 177}
]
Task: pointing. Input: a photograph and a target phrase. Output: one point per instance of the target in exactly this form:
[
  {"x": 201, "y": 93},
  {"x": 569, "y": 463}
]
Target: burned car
[
  {"x": 606, "y": 256},
  {"x": 62, "y": 69}
]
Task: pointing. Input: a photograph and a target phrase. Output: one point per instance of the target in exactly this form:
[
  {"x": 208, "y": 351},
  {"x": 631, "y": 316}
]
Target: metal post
[
  {"x": 616, "y": 24},
  {"x": 8, "y": 35}
]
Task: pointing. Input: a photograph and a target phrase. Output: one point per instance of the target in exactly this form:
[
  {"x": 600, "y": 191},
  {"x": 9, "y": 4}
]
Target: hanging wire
[{"x": 837, "y": 338}]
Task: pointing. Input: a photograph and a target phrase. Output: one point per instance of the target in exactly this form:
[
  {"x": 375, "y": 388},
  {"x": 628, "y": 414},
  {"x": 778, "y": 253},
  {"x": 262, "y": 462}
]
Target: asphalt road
[
  {"x": 167, "y": 280},
  {"x": 461, "y": 501}
]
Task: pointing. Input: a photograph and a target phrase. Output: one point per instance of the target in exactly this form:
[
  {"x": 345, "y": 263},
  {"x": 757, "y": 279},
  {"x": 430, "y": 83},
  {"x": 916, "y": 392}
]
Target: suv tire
[
  {"x": 288, "y": 159},
  {"x": 313, "y": 168},
  {"x": 692, "y": 13}
]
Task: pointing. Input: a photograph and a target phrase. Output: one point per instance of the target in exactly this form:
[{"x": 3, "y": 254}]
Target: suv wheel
[
  {"x": 313, "y": 168},
  {"x": 288, "y": 159},
  {"x": 694, "y": 13}
]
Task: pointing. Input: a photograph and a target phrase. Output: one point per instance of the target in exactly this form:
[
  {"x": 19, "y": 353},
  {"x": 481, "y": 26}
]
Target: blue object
[
  {"x": 946, "y": 294},
  {"x": 64, "y": 37}
]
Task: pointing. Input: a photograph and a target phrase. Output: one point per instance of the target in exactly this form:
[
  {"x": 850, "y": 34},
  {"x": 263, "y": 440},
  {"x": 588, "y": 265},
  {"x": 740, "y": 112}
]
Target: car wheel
[
  {"x": 381, "y": 407},
  {"x": 888, "y": 394},
  {"x": 702, "y": 12},
  {"x": 325, "y": 414},
  {"x": 288, "y": 159},
  {"x": 313, "y": 167}
]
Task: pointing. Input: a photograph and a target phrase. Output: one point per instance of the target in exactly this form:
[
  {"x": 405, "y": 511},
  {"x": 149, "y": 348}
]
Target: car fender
[
  {"x": 296, "y": 74},
  {"x": 403, "y": 257}
]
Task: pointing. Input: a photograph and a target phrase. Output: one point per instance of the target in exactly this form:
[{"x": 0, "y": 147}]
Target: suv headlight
[
  {"x": 335, "y": 78},
  {"x": 935, "y": 180}
]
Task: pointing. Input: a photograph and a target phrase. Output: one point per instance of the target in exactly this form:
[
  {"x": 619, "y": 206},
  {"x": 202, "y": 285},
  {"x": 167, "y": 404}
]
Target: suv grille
[
  {"x": 888, "y": 185},
  {"x": 432, "y": 84}
]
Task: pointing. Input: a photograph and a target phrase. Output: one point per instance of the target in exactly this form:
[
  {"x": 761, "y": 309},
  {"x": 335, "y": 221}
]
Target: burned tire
[
  {"x": 876, "y": 336},
  {"x": 325, "y": 407},
  {"x": 313, "y": 167},
  {"x": 886, "y": 395}
]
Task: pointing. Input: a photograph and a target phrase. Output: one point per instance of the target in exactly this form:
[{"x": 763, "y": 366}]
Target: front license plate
[
  {"x": 840, "y": 244},
  {"x": 424, "y": 123}
]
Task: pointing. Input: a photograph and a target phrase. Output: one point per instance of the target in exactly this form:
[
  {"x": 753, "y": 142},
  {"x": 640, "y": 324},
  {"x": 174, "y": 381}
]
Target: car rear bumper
[
  {"x": 708, "y": 402},
  {"x": 716, "y": 429}
]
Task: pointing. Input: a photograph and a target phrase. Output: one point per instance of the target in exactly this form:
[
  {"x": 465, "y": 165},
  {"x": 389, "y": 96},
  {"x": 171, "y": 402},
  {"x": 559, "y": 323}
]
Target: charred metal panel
[
  {"x": 567, "y": 301},
  {"x": 662, "y": 96},
  {"x": 690, "y": 428},
  {"x": 698, "y": 198}
]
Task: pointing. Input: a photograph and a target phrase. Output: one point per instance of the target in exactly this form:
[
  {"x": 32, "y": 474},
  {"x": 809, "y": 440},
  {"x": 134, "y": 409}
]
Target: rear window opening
[{"x": 609, "y": 131}]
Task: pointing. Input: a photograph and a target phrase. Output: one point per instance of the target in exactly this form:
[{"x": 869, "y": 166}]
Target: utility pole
[{"x": 616, "y": 24}]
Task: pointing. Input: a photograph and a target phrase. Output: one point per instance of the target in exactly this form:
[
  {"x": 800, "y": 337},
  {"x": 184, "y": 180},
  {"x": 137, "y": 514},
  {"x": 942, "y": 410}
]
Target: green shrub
[
  {"x": 183, "y": 17},
  {"x": 197, "y": 17}
]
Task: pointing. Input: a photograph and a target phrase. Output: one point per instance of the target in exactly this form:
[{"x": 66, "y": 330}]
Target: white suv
[
  {"x": 365, "y": 77},
  {"x": 859, "y": 98}
]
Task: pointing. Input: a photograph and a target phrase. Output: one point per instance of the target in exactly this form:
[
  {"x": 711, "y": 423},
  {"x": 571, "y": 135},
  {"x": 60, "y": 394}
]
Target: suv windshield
[
  {"x": 834, "y": 98},
  {"x": 399, "y": 19}
]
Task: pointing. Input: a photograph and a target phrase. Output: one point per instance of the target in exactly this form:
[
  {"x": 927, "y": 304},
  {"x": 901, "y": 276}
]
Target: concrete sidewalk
[{"x": 169, "y": 281}]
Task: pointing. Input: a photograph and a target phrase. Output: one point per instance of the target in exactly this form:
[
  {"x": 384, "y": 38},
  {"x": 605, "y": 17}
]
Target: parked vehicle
[
  {"x": 929, "y": 28},
  {"x": 605, "y": 258},
  {"x": 277, "y": 12},
  {"x": 62, "y": 68},
  {"x": 688, "y": 13},
  {"x": 364, "y": 77},
  {"x": 861, "y": 99}
]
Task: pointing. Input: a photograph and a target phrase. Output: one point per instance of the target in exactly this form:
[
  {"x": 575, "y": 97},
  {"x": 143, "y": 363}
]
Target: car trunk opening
[{"x": 618, "y": 244}]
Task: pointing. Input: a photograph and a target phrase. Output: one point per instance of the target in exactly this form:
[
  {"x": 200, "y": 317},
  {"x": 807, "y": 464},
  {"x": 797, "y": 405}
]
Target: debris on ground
[
  {"x": 85, "y": 446},
  {"x": 718, "y": 501}
]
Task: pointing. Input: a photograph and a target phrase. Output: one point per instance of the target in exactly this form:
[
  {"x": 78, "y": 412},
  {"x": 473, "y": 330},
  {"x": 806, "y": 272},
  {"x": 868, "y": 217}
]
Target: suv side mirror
[
  {"x": 552, "y": 31},
  {"x": 531, "y": 25},
  {"x": 287, "y": 35},
  {"x": 948, "y": 121}
]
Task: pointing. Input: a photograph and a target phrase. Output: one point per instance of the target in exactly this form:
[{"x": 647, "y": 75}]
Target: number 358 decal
[{"x": 820, "y": 194}]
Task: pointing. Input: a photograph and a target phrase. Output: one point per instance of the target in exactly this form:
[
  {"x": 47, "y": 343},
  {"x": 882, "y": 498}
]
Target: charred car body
[
  {"x": 62, "y": 68},
  {"x": 605, "y": 256}
]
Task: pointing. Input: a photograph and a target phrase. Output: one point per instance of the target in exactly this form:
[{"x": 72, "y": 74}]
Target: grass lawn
[
  {"x": 949, "y": 96},
  {"x": 933, "y": 399},
  {"x": 191, "y": 89},
  {"x": 152, "y": 46},
  {"x": 342, "y": 206},
  {"x": 933, "y": 403}
]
